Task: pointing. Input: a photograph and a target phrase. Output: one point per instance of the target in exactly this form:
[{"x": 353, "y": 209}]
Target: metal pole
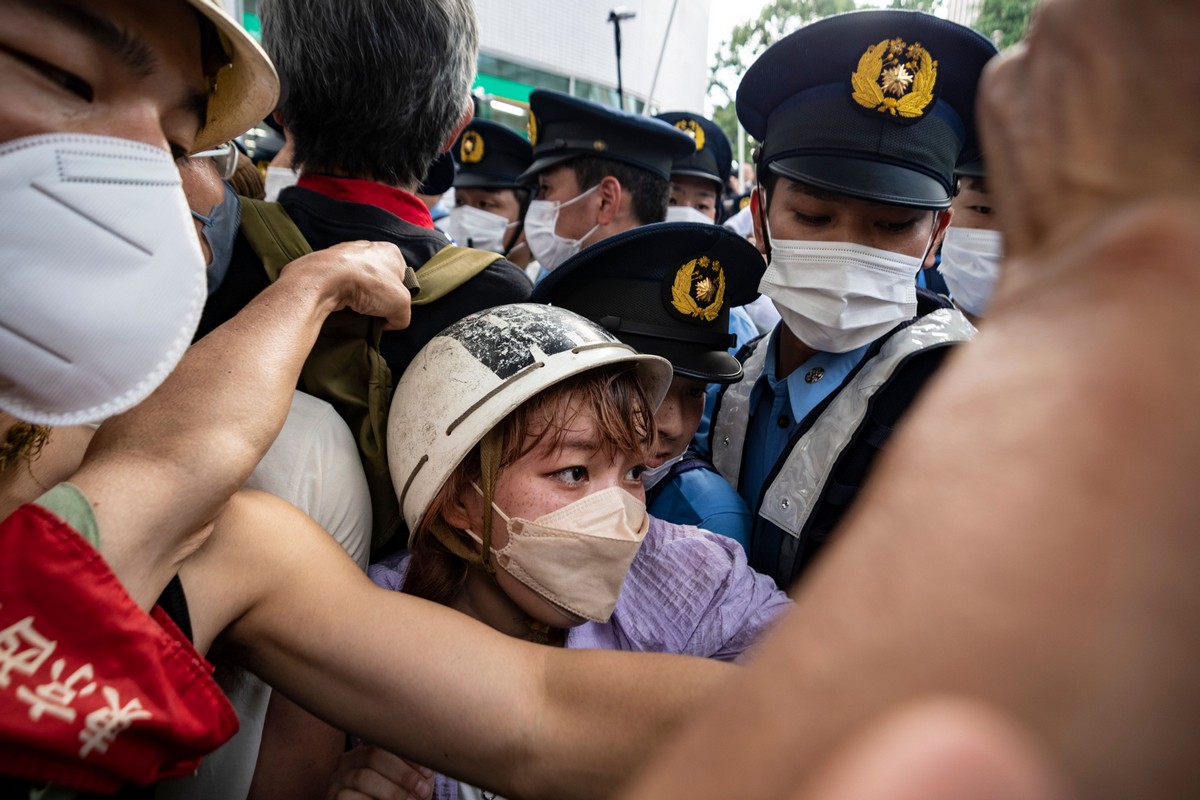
[
  {"x": 617, "y": 36},
  {"x": 661, "y": 53}
]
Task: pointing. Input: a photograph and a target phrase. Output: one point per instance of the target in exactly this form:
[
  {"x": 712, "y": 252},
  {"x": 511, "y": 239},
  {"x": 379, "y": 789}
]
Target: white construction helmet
[{"x": 474, "y": 373}]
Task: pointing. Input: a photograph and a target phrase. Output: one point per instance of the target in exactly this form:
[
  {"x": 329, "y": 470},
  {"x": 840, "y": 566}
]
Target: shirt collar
[
  {"x": 836, "y": 366},
  {"x": 404, "y": 205}
]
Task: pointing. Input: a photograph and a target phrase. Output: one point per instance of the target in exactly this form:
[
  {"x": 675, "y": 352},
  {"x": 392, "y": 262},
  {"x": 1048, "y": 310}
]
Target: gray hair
[{"x": 373, "y": 88}]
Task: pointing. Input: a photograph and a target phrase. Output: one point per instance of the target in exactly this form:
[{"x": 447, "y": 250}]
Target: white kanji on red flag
[
  {"x": 102, "y": 726},
  {"x": 23, "y": 650},
  {"x": 55, "y": 698}
]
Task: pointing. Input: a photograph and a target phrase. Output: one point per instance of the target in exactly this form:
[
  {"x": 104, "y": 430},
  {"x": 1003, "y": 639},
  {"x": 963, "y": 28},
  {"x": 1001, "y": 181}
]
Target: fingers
[
  {"x": 371, "y": 772},
  {"x": 937, "y": 749}
]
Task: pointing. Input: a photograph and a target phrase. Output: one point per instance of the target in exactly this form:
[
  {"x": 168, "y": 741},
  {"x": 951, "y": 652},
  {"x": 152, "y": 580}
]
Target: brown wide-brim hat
[{"x": 246, "y": 91}]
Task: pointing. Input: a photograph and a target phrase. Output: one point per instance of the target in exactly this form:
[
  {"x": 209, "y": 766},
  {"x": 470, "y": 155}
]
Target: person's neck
[
  {"x": 791, "y": 353},
  {"x": 482, "y": 598}
]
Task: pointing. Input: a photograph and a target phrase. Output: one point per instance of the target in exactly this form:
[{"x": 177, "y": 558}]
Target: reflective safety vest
[{"x": 822, "y": 467}]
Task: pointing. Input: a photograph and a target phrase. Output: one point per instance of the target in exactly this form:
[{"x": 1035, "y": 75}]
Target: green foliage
[
  {"x": 1009, "y": 17},
  {"x": 917, "y": 5}
]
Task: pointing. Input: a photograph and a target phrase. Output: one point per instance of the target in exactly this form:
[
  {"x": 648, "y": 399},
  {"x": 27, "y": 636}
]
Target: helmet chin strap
[{"x": 489, "y": 462}]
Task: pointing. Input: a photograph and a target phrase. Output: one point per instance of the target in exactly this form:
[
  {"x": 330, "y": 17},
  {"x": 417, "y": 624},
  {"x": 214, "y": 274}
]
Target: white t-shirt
[{"x": 314, "y": 465}]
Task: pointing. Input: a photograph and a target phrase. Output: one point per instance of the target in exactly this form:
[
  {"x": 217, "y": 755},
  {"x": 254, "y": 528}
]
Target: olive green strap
[
  {"x": 272, "y": 235},
  {"x": 450, "y": 268}
]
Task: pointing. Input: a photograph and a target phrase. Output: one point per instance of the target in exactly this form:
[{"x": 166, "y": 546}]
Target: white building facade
[{"x": 569, "y": 45}]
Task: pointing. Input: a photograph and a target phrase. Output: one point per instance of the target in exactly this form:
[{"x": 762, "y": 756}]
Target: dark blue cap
[
  {"x": 490, "y": 156},
  {"x": 872, "y": 104},
  {"x": 562, "y": 127},
  {"x": 440, "y": 177},
  {"x": 713, "y": 158},
  {"x": 664, "y": 289}
]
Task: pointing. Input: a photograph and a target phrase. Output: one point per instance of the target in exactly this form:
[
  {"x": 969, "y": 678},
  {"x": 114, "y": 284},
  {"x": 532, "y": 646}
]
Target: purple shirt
[{"x": 688, "y": 592}]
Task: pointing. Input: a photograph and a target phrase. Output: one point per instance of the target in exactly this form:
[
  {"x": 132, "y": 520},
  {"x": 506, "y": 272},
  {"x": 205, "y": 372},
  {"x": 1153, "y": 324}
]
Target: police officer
[
  {"x": 667, "y": 289},
  {"x": 489, "y": 204},
  {"x": 971, "y": 253},
  {"x": 698, "y": 179},
  {"x": 598, "y": 171},
  {"x": 862, "y": 118}
]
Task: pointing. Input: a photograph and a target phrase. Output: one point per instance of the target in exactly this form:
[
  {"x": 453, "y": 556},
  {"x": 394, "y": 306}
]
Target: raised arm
[
  {"x": 1029, "y": 539},
  {"x": 158, "y": 473}
]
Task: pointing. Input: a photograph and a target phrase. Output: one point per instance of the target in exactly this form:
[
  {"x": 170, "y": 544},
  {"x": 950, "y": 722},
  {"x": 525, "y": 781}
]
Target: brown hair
[{"x": 612, "y": 395}]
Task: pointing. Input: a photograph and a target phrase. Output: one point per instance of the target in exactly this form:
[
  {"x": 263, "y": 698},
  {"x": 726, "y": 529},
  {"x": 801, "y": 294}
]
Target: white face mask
[
  {"x": 686, "y": 214},
  {"x": 652, "y": 476},
  {"x": 547, "y": 246},
  {"x": 971, "y": 264},
  {"x": 838, "y": 296},
  {"x": 278, "y": 179},
  {"x": 103, "y": 280},
  {"x": 577, "y": 556},
  {"x": 474, "y": 227}
]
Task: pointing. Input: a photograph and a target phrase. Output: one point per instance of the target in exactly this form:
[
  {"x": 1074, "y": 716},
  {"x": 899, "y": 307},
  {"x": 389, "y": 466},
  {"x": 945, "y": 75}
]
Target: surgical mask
[
  {"x": 576, "y": 557},
  {"x": 548, "y": 247},
  {"x": 278, "y": 179},
  {"x": 474, "y": 227},
  {"x": 838, "y": 296},
  {"x": 652, "y": 476},
  {"x": 103, "y": 281},
  {"x": 971, "y": 264},
  {"x": 686, "y": 214},
  {"x": 220, "y": 229}
]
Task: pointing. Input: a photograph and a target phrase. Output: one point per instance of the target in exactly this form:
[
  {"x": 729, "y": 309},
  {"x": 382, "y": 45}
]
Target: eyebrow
[{"x": 130, "y": 50}]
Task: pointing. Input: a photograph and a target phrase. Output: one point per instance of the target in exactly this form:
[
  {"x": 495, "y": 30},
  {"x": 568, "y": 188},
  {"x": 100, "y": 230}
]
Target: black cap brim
[
  {"x": 473, "y": 180},
  {"x": 542, "y": 164},
  {"x": 689, "y": 360},
  {"x": 867, "y": 180}
]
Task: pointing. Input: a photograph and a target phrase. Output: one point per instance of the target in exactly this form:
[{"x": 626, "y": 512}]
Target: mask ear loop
[
  {"x": 933, "y": 232},
  {"x": 761, "y": 194}
]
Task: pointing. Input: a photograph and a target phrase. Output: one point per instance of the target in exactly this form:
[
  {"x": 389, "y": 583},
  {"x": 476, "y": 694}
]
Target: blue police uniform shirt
[
  {"x": 778, "y": 406},
  {"x": 701, "y": 497},
  {"x": 741, "y": 326}
]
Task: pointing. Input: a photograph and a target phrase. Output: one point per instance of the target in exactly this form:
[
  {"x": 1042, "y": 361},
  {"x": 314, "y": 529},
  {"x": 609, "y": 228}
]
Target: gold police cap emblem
[
  {"x": 532, "y": 129},
  {"x": 896, "y": 78},
  {"x": 699, "y": 289},
  {"x": 692, "y": 129},
  {"x": 471, "y": 149}
]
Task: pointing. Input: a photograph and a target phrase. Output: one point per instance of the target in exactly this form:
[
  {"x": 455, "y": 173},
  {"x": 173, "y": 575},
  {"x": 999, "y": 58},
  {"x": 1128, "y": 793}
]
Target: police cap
[
  {"x": 562, "y": 127},
  {"x": 713, "y": 158},
  {"x": 490, "y": 156},
  {"x": 664, "y": 289},
  {"x": 872, "y": 104}
]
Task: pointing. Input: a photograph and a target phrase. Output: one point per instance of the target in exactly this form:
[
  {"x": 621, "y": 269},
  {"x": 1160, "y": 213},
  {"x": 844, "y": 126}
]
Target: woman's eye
[
  {"x": 572, "y": 475},
  {"x": 984, "y": 210},
  {"x": 636, "y": 473}
]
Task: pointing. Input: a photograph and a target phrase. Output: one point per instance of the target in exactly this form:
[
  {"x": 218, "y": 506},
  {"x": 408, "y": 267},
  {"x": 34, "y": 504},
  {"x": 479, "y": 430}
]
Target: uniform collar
[
  {"x": 404, "y": 205},
  {"x": 834, "y": 368}
]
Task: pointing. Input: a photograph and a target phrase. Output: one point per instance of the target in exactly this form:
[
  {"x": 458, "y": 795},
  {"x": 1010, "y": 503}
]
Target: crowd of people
[{"x": 869, "y": 484}]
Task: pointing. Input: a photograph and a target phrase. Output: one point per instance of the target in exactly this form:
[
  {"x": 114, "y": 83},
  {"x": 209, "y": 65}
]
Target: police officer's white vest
[{"x": 794, "y": 493}]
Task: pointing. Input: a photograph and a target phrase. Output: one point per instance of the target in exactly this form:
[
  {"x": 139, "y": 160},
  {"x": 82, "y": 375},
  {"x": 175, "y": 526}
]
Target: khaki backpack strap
[
  {"x": 450, "y": 268},
  {"x": 273, "y": 236}
]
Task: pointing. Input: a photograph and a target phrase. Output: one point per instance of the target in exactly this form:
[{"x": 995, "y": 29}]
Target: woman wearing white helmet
[{"x": 521, "y": 488}]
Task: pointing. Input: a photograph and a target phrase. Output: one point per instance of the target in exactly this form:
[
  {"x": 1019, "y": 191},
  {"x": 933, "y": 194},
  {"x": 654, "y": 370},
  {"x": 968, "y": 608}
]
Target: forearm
[{"x": 163, "y": 469}]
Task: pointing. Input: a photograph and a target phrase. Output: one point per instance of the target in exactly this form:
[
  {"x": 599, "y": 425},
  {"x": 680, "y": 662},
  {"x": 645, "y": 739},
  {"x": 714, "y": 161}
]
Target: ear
[
  {"x": 464, "y": 511},
  {"x": 610, "y": 194},
  {"x": 757, "y": 212},
  {"x": 943, "y": 223},
  {"x": 463, "y": 122}
]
